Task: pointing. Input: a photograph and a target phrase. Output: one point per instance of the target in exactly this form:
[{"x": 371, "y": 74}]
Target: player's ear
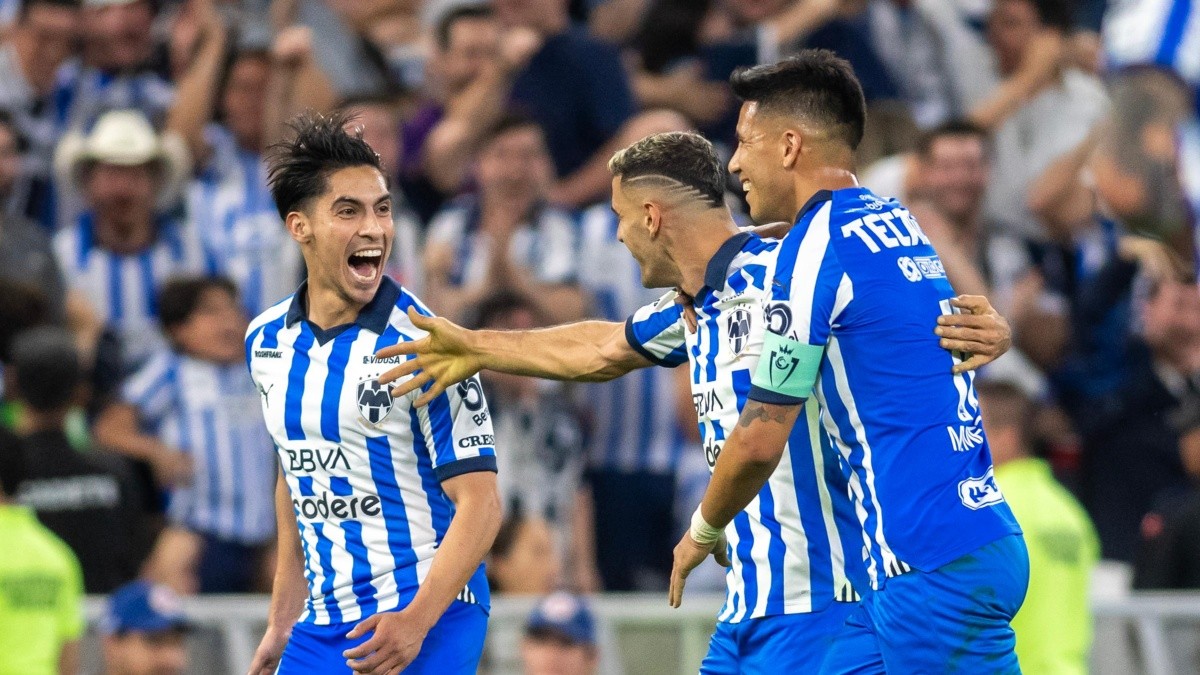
[
  {"x": 653, "y": 218},
  {"x": 299, "y": 227},
  {"x": 790, "y": 142}
]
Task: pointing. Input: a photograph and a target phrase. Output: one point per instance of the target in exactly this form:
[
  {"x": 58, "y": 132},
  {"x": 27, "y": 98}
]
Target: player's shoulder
[
  {"x": 276, "y": 312},
  {"x": 400, "y": 325}
]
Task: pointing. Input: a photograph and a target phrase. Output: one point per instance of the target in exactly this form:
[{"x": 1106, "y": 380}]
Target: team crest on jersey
[
  {"x": 374, "y": 400},
  {"x": 738, "y": 325}
]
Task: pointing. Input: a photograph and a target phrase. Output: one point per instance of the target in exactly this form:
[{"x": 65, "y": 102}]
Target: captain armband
[{"x": 787, "y": 370}]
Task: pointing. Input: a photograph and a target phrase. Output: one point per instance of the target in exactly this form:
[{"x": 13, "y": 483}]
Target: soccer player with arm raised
[
  {"x": 855, "y": 286},
  {"x": 794, "y": 547},
  {"x": 384, "y": 510}
]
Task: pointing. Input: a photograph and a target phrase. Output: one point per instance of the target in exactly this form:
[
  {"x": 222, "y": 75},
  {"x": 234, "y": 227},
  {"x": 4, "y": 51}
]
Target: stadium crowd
[{"x": 138, "y": 237}]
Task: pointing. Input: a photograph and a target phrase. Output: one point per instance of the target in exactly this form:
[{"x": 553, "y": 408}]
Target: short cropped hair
[
  {"x": 954, "y": 127},
  {"x": 1056, "y": 14},
  {"x": 464, "y": 13},
  {"x": 47, "y": 367},
  {"x": 684, "y": 157},
  {"x": 816, "y": 86},
  {"x": 298, "y": 169},
  {"x": 180, "y": 297}
]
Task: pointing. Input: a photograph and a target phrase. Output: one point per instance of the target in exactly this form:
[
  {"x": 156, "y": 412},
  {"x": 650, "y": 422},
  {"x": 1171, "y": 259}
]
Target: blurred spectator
[
  {"x": 1131, "y": 448},
  {"x": 638, "y": 427},
  {"x": 41, "y": 594},
  {"x": 507, "y": 237},
  {"x": 25, "y": 251},
  {"x": 144, "y": 630},
  {"x": 229, "y": 204},
  {"x": 473, "y": 67},
  {"x": 539, "y": 443},
  {"x": 560, "y": 638},
  {"x": 587, "y": 121},
  {"x": 126, "y": 242},
  {"x": 1054, "y": 625},
  {"x": 43, "y": 37},
  {"x": 195, "y": 417},
  {"x": 117, "y": 66},
  {"x": 1042, "y": 108},
  {"x": 90, "y": 499},
  {"x": 379, "y": 118},
  {"x": 23, "y": 305},
  {"x": 524, "y": 559},
  {"x": 1169, "y": 555}
]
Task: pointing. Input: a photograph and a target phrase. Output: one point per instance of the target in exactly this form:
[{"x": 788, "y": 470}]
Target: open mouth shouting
[{"x": 366, "y": 265}]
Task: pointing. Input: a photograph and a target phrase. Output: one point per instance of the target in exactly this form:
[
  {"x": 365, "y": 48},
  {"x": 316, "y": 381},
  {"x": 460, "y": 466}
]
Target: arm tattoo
[{"x": 763, "y": 412}]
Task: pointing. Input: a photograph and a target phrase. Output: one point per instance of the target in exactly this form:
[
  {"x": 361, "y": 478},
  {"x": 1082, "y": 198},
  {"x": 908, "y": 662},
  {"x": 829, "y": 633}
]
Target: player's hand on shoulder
[
  {"x": 979, "y": 330},
  {"x": 689, "y": 308},
  {"x": 395, "y": 643},
  {"x": 270, "y": 650},
  {"x": 441, "y": 359}
]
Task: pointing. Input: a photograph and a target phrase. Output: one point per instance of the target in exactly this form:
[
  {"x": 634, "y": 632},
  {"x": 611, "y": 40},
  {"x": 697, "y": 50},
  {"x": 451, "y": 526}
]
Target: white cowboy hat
[{"x": 125, "y": 138}]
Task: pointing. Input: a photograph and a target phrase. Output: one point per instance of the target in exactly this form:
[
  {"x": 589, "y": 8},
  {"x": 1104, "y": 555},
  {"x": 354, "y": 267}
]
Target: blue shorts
[
  {"x": 785, "y": 643},
  {"x": 954, "y": 619},
  {"x": 453, "y": 646}
]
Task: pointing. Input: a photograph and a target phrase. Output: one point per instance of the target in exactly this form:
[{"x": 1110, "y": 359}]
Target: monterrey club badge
[
  {"x": 738, "y": 326},
  {"x": 374, "y": 400}
]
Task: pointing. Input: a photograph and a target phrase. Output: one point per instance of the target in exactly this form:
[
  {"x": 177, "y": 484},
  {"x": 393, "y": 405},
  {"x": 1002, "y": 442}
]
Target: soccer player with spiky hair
[{"x": 384, "y": 510}]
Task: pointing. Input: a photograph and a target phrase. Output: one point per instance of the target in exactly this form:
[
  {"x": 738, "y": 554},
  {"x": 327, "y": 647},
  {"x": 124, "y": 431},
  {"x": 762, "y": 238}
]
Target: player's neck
[
  {"x": 326, "y": 307},
  {"x": 699, "y": 244},
  {"x": 825, "y": 177}
]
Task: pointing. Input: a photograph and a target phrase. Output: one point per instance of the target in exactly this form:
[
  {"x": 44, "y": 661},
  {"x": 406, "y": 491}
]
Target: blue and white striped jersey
[
  {"x": 635, "y": 425},
  {"x": 233, "y": 213},
  {"x": 123, "y": 288},
  {"x": 858, "y": 279},
  {"x": 364, "y": 469},
  {"x": 795, "y": 547},
  {"x": 211, "y": 412}
]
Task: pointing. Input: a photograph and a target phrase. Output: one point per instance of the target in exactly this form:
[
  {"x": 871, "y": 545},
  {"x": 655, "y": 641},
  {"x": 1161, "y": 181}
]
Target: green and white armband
[{"x": 788, "y": 368}]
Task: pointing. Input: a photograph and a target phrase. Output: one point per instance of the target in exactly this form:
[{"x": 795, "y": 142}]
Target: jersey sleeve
[
  {"x": 457, "y": 430},
  {"x": 658, "y": 331},
  {"x": 810, "y": 289},
  {"x": 151, "y": 389}
]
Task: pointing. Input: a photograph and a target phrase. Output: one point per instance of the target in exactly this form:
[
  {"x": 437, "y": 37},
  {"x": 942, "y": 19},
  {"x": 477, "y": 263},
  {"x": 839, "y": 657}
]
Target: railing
[{"x": 1148, "y": 633}]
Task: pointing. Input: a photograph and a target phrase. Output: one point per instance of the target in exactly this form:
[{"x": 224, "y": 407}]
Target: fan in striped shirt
[{"x": 794, "y": 548}]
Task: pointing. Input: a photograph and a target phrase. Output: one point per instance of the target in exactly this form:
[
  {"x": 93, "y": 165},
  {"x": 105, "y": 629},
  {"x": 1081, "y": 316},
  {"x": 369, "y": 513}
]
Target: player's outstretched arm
[
  {"x": 398, "y": 635},
  {"x": 585, "y": 351},
  {"x": 288, "y": 591},
  {"x": 745, "y": 463},
  {"x": 979, "y": 331}
]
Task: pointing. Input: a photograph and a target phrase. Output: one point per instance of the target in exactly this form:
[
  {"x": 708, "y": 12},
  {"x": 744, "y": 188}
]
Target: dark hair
[
  {"x": 1007, "y": 405},
  {"x": 298, "y": 169},
  {"x": 26, "y": 5},
  {"x": 446, "y": 23},
  {"x": 180, "y": 297},
  {"x": 1056, "y": 14},
  {"x": 495, "y": 307},
  {"x": 47, "y": 367},
  {"x": 509, "y": 121},
  {"x": 7, "y": 121},
  {"x": 681, "y": 156},
  {"x": 23, "y": 305},
  {"x": 954, "y": 127},
  {"x": 815, "y": 85}
]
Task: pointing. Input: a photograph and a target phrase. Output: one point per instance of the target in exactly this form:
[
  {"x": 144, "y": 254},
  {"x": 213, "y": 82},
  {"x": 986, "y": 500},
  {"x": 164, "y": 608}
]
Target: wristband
[{"x": 701, "y": 532}]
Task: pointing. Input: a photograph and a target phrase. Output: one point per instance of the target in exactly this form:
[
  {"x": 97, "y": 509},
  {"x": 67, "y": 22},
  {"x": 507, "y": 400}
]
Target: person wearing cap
[
  {"x": 89, "y": 498},
  {"x": 144, "y": 630},
  {"x": 127, "y": 240},
  {"x": 41, "y": 593},
  {"x": 560, "y": 637}
]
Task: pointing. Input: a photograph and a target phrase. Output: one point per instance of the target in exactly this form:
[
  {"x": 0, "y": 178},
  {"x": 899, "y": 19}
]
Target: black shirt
[{"x": 90, "y": 501}]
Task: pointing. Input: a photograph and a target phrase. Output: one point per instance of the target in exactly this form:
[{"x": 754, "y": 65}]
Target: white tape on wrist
[{"x": 701, "y": 532}]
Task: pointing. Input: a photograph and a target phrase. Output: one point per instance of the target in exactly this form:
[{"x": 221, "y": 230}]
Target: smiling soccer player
[{"x": 384, "y": 511}]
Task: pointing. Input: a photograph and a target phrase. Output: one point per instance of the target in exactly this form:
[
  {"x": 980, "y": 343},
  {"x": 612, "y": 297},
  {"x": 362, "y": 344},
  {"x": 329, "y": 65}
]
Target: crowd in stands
[{"x": 138, "y": 237}]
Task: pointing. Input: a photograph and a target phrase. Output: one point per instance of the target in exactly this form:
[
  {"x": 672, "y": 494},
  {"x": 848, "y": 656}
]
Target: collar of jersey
[
  {"x": 812, "y": 203},
  {"x": 718, "y": 265},
  {"x": 374, "y": 316}
]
